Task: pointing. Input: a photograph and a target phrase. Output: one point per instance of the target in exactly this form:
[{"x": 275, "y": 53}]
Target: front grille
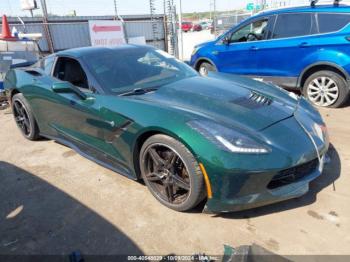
[{"x": 293, "y": 174}]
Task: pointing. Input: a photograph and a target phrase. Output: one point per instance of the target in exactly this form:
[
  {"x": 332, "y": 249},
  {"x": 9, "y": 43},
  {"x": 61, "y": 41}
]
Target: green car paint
[{"x": 110, "y": 129}]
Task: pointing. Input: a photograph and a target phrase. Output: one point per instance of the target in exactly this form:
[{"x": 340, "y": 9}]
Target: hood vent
[
  {"x": 260, "y": 99},
  {"x": 255, "y": 100}
]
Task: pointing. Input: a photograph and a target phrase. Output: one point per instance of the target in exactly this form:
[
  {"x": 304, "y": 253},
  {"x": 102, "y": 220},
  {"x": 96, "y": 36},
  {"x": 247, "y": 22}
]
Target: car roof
[
  {"x": 85, "y": 51},
  {"x": 300, "y": 9}
]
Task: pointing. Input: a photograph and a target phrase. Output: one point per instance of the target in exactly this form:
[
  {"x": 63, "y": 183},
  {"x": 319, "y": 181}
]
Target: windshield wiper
[{"x": 138, "y": 91}]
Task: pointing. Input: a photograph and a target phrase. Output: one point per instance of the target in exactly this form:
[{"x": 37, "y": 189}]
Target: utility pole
[
  {"x": 181, "y": 33},
  {"x": 214, "y": 17},
  {"x": 209, "y": 9},
  {"x": 116, "y": 9},
  {"x": 46, "y": 26}
]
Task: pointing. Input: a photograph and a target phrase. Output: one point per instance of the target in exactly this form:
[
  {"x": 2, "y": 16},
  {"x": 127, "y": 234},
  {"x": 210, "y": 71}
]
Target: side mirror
[
  {"x": 226, "y": 40},
  {"x": 66, "y": 87}
]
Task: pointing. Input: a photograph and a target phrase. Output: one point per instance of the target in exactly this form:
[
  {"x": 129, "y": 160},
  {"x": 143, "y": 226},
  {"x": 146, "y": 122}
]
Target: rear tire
[
  {"x": 24, "y": 117},
  {"x": 205, "y": 68},
  {"x": 171, "y": 173},
  {"x": 326, "y": 89}
]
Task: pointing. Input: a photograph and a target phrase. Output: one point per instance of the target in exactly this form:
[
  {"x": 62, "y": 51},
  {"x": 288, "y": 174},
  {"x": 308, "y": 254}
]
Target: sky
[{"x": 106, "y": 7}]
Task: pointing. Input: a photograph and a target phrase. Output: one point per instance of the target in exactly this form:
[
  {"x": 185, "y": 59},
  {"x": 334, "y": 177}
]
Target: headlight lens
[
  {"x": 228, "y": 139},
  {"x": 194, "y": 51}
]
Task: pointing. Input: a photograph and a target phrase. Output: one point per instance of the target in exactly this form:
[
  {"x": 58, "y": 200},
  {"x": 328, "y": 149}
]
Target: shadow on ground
[
  {"x": 330, "y": 174},
  {"x": 38, "y": 218}
]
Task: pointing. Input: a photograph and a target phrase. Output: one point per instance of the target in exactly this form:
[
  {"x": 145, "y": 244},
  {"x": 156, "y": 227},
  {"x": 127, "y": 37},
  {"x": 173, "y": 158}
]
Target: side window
[
  {"x": 70, "y": 70},
  {"x": 332, "y": 22},
  {"x": 292, "y": 25},
  {"x": 255, "y": 31}
]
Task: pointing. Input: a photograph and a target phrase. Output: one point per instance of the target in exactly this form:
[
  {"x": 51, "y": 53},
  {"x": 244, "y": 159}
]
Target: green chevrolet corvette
[{"x": 231, "y": 141}]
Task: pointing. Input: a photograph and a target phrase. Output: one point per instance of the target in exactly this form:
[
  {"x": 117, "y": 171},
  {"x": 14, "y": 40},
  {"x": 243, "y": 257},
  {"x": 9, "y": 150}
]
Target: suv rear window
[
  {"x": 332, "y": 22},
  {"x": 292, "y": 25}
]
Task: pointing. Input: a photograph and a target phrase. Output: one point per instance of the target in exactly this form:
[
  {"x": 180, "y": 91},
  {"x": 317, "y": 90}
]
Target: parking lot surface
[
  {"x": 191, "y": 39},
  {"x": 54, "y": 201}
]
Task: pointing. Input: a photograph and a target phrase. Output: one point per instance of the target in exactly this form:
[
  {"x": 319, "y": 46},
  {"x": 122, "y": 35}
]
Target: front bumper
[
  {"x": 269, "y": 196},
  {"x": 245, "y": 182}
]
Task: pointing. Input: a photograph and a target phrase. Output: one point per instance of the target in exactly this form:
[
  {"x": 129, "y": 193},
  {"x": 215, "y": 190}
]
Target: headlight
[
  {"x": 228, "y": 139},
  {"x": 194, "y": 51}
]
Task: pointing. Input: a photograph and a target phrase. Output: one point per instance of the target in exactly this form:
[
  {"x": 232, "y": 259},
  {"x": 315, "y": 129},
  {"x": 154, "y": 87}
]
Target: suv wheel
[
  {"x": 205, "y": 68},
  {"x": 326, "y": 89}
]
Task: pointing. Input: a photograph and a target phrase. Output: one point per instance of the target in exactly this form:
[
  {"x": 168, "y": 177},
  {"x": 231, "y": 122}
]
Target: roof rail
[
  {"x": 336, "y": 2},
  {"x": 314, "y": 2},
  {"x": 327, "y": 2}
]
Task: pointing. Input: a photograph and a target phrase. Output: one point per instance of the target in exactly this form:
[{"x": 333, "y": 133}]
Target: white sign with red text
[{"x": 106, "y": 33}]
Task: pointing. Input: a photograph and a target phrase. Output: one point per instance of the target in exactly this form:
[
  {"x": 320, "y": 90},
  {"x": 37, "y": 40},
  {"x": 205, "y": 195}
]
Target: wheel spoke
[
  {"x": 311, "y": 92},
  {"x": 23, "y": 112},
  {"x": 156, "y": 157},
  {"x": 169, "y": 192},
  {"x": 329, "y": 101},
  {"x": 26, "y": 123},
  {"x": 334, "y": 96},
  {"x": 171, "y": 160},
  {"x": 153, "y": 177},
  {"x": 17, "y": 108},
  {"x": 180, "y": 182},
  {"x": 312, "y": 87},
  {"x": 316, "y": 98},
  {"x": 19, "y": 119},
  {"x": 332, "y": 89},
  {"x": 317, "y": 83},
  {"x": 330, "y": 83}
]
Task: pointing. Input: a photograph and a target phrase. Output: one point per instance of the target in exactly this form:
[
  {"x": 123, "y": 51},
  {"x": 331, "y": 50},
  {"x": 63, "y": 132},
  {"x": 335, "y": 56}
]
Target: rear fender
[{"x": 336, "y": 59}]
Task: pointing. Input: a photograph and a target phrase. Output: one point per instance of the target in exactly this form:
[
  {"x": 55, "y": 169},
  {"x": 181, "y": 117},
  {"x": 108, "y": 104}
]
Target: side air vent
[{"x": 260, "y": 99}]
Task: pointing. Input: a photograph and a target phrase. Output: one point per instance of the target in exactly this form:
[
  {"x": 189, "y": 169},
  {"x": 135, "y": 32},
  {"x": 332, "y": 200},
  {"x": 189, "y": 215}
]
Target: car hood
[
  {"x": 205, "y": 43},
  {"x": 230, "y": 101}
]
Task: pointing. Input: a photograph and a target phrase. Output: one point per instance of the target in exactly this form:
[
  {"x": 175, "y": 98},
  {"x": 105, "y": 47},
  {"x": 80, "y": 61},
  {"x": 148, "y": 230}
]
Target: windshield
[{"x": 123, "y": 70}]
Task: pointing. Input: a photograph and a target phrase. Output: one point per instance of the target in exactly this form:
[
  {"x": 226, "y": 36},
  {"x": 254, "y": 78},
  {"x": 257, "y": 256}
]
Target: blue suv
[{"x": 306, "y": 48}]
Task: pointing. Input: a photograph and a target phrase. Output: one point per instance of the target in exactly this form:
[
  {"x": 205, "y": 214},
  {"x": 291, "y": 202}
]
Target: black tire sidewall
[
  {"x": 196, "y": 178},
  {"x": 340, "y": 81},
  {"x": 34, "y": 131}
]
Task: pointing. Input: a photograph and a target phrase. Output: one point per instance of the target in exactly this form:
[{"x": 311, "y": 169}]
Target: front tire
[
  {"x": 326, "y": 89},
  {"x": 205, "y": 68},
  {"x": 24, "y": 117},
  {"x": 171, "y": 173}
]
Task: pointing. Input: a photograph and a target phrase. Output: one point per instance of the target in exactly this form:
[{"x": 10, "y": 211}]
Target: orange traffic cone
[{"x": 6, "y": 34}]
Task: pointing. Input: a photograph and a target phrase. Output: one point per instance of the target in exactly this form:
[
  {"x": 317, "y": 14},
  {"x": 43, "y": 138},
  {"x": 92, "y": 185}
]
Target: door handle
[
  {"x": 304, "y": 44},
  {"x": 254, "y": 48}
]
